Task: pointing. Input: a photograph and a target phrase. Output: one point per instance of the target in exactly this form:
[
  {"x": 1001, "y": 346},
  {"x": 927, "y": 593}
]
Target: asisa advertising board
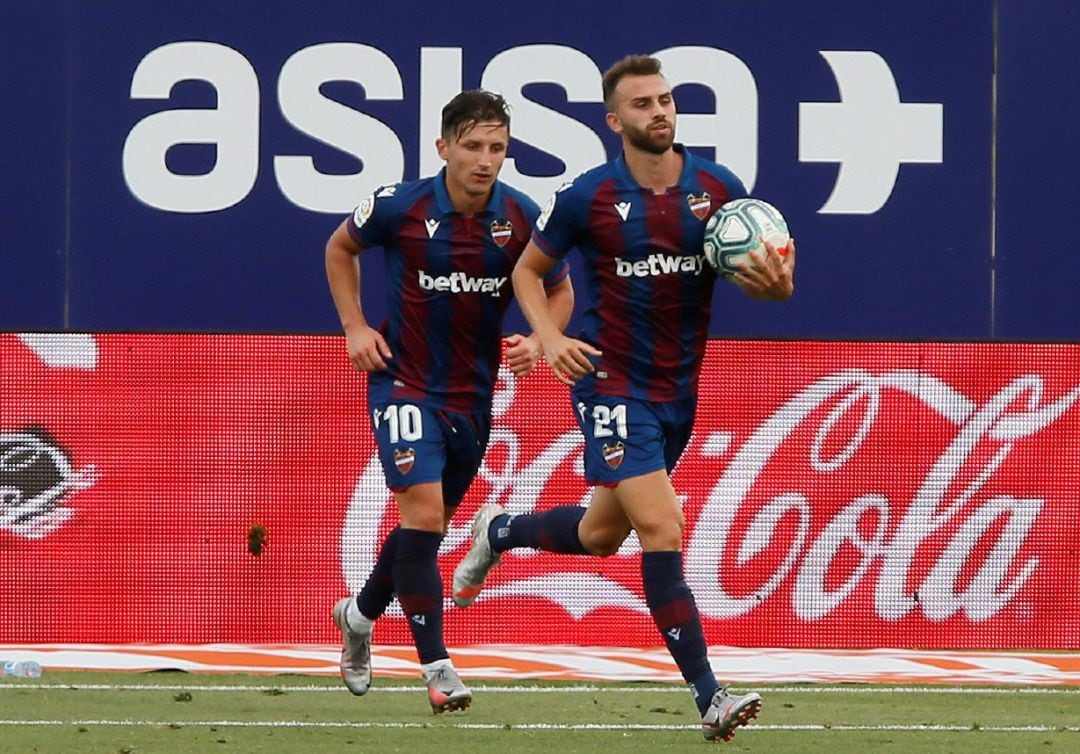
[{"x": 178, "y": 167}]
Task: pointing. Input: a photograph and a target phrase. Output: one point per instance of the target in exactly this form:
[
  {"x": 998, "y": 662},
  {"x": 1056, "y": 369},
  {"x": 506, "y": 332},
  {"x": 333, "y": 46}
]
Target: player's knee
[
  {"x": 604, "y": 548},
  {"x": 424, "y": 520},
  {"x": 662, "y": 535},
  {"x": 603, "y": 543}
]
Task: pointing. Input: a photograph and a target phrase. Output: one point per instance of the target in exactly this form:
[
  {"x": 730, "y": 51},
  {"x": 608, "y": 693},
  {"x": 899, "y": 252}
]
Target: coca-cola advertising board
[{"x": 226, "y": 488}]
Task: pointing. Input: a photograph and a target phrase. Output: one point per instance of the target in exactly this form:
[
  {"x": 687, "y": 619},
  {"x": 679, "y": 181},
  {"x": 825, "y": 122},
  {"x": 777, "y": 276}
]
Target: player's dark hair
[
  {"x": 469, "y": 108},
  {"x": 631, "y": 65}
]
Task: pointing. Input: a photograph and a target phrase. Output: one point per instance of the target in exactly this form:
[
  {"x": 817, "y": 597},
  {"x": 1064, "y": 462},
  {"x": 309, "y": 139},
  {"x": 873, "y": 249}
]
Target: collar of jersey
[
  {"x": 446, "y": 207},
  {"x": 630, "y": 182}
]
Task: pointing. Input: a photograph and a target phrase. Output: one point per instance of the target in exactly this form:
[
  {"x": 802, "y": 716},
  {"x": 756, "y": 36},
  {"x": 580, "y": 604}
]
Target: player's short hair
[
  {"x": 469, "y": 108},
  {"x": 631, "y": 65}
]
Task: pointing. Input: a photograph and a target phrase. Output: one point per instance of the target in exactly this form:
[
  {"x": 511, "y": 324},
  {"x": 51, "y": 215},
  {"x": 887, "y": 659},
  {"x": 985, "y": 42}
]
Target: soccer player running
[
  {"x": 639, "y": 224},
  {"x": 451, "y": 242}
]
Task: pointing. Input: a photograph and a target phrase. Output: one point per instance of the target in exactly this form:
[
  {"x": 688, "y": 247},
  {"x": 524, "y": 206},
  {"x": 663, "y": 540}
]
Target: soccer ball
[{"x": 733, "y": 230}]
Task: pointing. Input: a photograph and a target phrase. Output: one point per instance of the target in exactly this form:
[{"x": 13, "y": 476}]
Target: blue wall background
[{"x": 977, "y": 244}]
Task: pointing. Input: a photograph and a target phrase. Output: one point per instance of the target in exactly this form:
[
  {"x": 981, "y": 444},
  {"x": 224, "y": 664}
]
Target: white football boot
[
  {"x": 446, "y": 692},
  {"x": 355, "y": 653},
  {"x": 727, "y": 712},
  {"x": 473, "y": 569}
]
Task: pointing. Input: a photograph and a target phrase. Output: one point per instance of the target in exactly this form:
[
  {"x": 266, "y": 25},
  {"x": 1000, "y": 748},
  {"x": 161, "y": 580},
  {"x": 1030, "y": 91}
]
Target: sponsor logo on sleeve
[
  {"x": 545, "y": 215},
  {"x": 363, "y": 212}
]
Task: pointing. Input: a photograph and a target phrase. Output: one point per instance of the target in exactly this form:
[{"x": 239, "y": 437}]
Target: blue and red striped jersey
[
  {"x": 649, "y": 287},
  {"x": 448, "y": 286}
]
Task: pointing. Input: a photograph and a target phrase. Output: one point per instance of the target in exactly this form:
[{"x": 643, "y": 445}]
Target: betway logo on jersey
[
  {"x": 659, "y": 264},
  {"x": 459, "y": 282}
]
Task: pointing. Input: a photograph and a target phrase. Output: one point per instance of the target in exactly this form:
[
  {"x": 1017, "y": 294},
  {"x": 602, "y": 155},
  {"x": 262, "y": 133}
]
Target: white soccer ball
[{"x": 735, "y": 228}]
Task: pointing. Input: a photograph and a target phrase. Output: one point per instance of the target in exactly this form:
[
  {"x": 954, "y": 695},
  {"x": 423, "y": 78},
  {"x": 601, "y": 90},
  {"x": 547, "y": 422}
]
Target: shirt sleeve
[
  {"x": 736, "y": 189},
  {"x": 370, "y": 223},
  {"x": 557, "y": 274},
  {"x": 562, "y": 222},
  {"x": 561, "y": 270}
]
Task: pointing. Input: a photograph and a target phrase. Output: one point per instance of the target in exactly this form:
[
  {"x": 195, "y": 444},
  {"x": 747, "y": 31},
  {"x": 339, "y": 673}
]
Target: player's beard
[{"x": 648, "y": 141}]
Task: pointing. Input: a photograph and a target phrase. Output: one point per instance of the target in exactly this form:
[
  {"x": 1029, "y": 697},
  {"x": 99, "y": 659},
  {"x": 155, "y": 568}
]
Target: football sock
[
  {"x": 420, "y": 591},
  {"x": 675, "y": 614},
  {"x": 554, "y": 530},
  {"x": 356, "y": 621},
  {"x": 378, "y": 590},
  {"x": 428, "y": 668}
]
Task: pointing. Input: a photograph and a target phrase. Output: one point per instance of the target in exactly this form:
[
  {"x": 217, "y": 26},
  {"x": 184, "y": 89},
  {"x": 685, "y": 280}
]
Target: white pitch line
[
  {"x": 965, "y": 691},
  {"x": 542, "y": 726}
]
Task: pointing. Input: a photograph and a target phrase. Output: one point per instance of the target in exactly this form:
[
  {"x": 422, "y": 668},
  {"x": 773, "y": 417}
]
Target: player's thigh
[
  {"x": 653, "y": 509},
  {"x": 605, "y": 525},
  {"x": 420, "y": 506}
]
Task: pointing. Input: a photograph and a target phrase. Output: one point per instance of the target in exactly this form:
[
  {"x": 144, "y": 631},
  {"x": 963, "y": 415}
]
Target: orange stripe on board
[
  {"x": 945, "y": 663},
  {"x": 502, "y": 661},
  {"x": 408, "y": 654},
  {"x": 1067, "y": 663},
  {"x": 641, "y": 662}
]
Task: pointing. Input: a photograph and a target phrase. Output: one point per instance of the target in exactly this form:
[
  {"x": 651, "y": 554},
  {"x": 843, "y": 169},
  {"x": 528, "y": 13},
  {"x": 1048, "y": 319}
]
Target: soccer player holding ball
[
  {"x": 639, "y": 224},
  {"x": 451, "y": 242}
]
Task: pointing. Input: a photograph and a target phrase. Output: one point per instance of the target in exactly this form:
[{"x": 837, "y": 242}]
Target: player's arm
[
  {"x": 366, "y": 348},
  {"x": 769, "y": 273},
  {"x": 569, "y": 357},
  {"x": 522, "y": 352}
]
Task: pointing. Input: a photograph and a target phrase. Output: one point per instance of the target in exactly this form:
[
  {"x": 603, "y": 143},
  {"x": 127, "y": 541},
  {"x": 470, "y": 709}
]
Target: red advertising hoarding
[{"x": 225, "y": 488}]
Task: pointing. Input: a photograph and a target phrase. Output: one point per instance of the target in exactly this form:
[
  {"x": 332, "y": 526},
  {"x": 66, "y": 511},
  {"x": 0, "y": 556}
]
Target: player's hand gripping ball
[{"x": 735, "y": 230}]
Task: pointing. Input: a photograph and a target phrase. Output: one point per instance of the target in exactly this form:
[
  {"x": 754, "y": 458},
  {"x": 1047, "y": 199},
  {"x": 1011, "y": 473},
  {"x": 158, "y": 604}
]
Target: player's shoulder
[
  {"x": 517, "y": 197},
  {"x": 578, "y": 191},
  {"x": 391, "y": 201},
  {"x": 718, "y": 171},
  {"x": 384, "y": 207},
  {"x": 589, "y": 181},
  {"x": 572, "y": 199},
  {"x": 404, "y": 193}
]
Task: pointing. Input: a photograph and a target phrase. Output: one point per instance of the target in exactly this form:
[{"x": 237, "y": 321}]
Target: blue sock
[
  {"x": 554, "y": 530},
  {"x": 675, "y": 614},
  {"x": 378, "y": 590},
  {"x": 420, "y": 591}
]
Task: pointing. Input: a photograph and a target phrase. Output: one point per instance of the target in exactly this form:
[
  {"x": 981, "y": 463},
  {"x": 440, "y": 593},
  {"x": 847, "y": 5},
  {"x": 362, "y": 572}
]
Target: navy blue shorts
[
  {"x": 418, "y": 444},
  {"x": 626, "y": 437}
]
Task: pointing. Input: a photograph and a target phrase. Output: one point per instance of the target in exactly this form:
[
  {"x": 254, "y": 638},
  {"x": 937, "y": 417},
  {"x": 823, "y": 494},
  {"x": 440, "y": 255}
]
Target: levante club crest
[
  {"x": 404, "y": 460},
  {"x": 501, "y": 231},
  {"x": 614, "y": 454},
  {"x": 700, "y": 204}
]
